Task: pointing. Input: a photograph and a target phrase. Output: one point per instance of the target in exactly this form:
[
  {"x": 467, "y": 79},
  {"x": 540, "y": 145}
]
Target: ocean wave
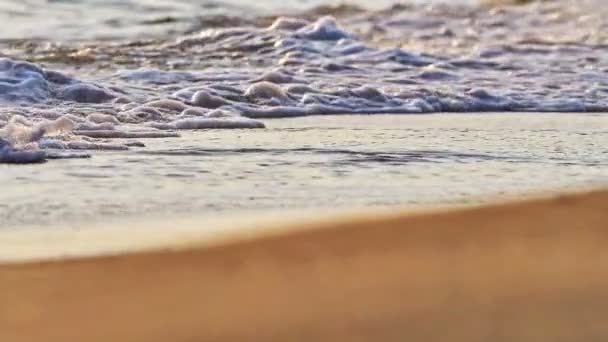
[{"x": 546, "y": 56}]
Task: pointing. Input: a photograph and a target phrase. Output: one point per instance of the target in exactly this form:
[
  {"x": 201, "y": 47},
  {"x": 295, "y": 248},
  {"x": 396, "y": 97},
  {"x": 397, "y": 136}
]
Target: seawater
[
  {"x": 190, "y": 106},
  {"x": 64, "y": 96},
  {"x": 318, "y": 163}
]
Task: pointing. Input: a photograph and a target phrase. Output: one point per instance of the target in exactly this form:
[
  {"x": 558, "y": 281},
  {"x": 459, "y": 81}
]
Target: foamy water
[
  {"x": 119, "y": 81},
  {"x": 548, "y": 56}
]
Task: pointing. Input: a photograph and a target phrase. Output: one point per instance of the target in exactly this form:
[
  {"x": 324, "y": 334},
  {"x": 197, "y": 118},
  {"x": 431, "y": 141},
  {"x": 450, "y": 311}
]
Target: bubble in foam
[
  {"x": 480, "y": 94},
  {"x": 22, "y": 82},
  {"x": 61, "y": 125},
  {"x": 369, "y": 93},
  {"x": 288, "y": 24},
  {"x": 193, "y": 111},
  {"x": 299, "y": 89},
  {"x": 4, "y": 144},
  {"x": 95, "y": 126},
  {"x": 277, "y": 76},
  {"x": 100, "y": 118},
  {"x": 85, "y": 93},
  {"x": 171, "y": 105},
  {"x": 285, "y": 43},
  {"x": 204, "y": 99},
  {"x": 9, "y": 156},
  {"x": 26, "y": 82},
  {"x": 140, "y": 114},
  {"x": 57, "y": 77},
  {"x": 265, "y": 90},
  {"x": 325, "y": 28},
  {"x": 218, "y": 113},
  {"x": 436, "y": 75},
  {"x": 19, "y": 130}
]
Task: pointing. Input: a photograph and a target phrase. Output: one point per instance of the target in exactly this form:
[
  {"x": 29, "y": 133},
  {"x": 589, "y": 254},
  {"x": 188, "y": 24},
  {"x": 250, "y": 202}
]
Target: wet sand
[
  {"x": 314, "y": 163},
  {"x": 71, "y": 99},
  {"x": 527, "y": 271}
]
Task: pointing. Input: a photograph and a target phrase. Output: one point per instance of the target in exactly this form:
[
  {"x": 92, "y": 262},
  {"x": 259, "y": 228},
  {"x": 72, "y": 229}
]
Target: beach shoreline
[
  {"x": 313, "y": 163},
  {"x": 529, "y": 271}
]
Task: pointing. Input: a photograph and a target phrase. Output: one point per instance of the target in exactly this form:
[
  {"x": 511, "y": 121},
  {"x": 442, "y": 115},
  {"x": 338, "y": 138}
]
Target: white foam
[
  {"x": 421, "y": 60},
  {"x": 204, "y": 99},
  {"x": 289, "y": 24},
  {"x": 100, "y": 118},
  {"x": 325, "y": 28},
  {"x": 265, "y": 90}
]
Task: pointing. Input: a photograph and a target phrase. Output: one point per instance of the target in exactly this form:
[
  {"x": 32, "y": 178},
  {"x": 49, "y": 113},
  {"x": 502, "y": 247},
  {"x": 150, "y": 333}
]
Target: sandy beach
[
  {"x": 521, "y": 271},
  {"x": 290, "y": 170}
]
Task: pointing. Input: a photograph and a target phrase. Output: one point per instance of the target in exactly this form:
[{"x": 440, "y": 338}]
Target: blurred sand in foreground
[{"x": 527, "y": 271}]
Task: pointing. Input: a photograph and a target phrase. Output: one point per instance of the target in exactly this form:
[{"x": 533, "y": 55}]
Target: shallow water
[
  {"x": 315, "y": 162},
  {"x": 127, "y": 102},
  {"x": 232, "y": 72}
]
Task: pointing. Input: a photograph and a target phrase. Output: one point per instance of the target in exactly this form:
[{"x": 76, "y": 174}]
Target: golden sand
[{"x": 527, "y": 271}]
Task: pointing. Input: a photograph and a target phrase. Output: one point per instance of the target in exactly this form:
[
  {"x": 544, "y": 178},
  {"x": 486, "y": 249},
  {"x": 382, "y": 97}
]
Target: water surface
[
  {"x": 129, "y": 104},
  {"x": 315, "y": 162}
]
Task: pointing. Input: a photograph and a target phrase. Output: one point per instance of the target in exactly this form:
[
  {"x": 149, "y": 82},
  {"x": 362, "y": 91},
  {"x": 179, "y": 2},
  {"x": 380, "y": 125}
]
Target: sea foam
[{"x": 418, "y": 59}]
